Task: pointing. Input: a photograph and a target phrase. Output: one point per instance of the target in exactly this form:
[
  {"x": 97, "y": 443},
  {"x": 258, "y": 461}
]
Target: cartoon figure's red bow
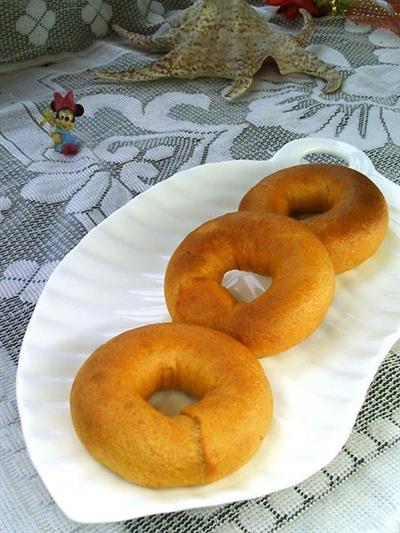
[{"x": 64, "y": 102}]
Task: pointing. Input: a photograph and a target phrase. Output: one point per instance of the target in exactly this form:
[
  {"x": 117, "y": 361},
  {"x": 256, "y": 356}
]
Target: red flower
[{"x": 290, "y": 8}]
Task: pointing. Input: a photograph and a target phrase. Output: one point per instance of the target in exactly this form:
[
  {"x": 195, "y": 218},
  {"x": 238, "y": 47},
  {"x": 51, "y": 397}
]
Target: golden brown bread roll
[
  {"x": 287, "y": 312},
  {"x": 208, "y": 440},
  {"x": 347, "y": 211}
]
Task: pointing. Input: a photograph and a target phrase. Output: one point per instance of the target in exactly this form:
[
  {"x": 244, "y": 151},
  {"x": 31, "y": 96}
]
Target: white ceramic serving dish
[{"x": 113, "y": 281}]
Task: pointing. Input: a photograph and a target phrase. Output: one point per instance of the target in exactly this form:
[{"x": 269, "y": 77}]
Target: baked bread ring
[
  {"x": 302, "y": 288},
  {"x": 348, "y": 212},
  {"x": 208, "y": 440}
]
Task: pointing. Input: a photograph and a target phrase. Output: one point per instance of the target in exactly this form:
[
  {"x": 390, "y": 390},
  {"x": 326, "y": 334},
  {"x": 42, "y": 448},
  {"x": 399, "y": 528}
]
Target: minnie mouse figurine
[{"x": 63, "y": 122}]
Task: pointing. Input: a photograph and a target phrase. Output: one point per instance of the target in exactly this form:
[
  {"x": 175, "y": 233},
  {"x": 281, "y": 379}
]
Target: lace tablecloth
[{"x": 135, "y": 136}]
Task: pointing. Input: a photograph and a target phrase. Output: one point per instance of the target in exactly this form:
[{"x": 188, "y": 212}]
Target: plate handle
[{"x": 293, "y": 153}]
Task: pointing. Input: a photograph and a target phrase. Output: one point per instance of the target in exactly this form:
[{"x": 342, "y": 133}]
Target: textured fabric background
[
  {"x": 134, "y": 136},
  {"x": 31, "y": 28}
]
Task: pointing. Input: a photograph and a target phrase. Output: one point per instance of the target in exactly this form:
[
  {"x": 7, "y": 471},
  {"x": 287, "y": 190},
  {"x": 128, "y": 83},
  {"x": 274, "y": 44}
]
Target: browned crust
[
  {"x": 268, "y": 244},
  {"x": 357, "y": 217},
  {"x": 208, "y": 440}
]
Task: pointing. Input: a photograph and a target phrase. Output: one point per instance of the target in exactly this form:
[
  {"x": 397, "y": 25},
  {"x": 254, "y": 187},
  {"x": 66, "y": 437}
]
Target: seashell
[{"x": 225, "y": 39}]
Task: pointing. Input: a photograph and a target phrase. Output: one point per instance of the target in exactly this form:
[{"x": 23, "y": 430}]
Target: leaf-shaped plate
[{"x": 113, "y": 281}]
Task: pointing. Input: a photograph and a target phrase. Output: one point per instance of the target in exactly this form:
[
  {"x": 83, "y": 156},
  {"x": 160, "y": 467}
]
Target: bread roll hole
[
  {"x": 170, "y": 402},
  {"x": 301, "y": 215},
  {"x": 245, "y": 286},
  {"x": 302, "y": 208}
]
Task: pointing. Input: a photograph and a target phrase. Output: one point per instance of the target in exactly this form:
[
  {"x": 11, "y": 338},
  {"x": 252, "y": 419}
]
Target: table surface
[{"x": 135, "y": 136}]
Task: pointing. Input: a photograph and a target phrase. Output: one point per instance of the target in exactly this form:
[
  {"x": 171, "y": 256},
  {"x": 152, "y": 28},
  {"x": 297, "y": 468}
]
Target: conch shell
[{"x": 225, "y": 39}]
